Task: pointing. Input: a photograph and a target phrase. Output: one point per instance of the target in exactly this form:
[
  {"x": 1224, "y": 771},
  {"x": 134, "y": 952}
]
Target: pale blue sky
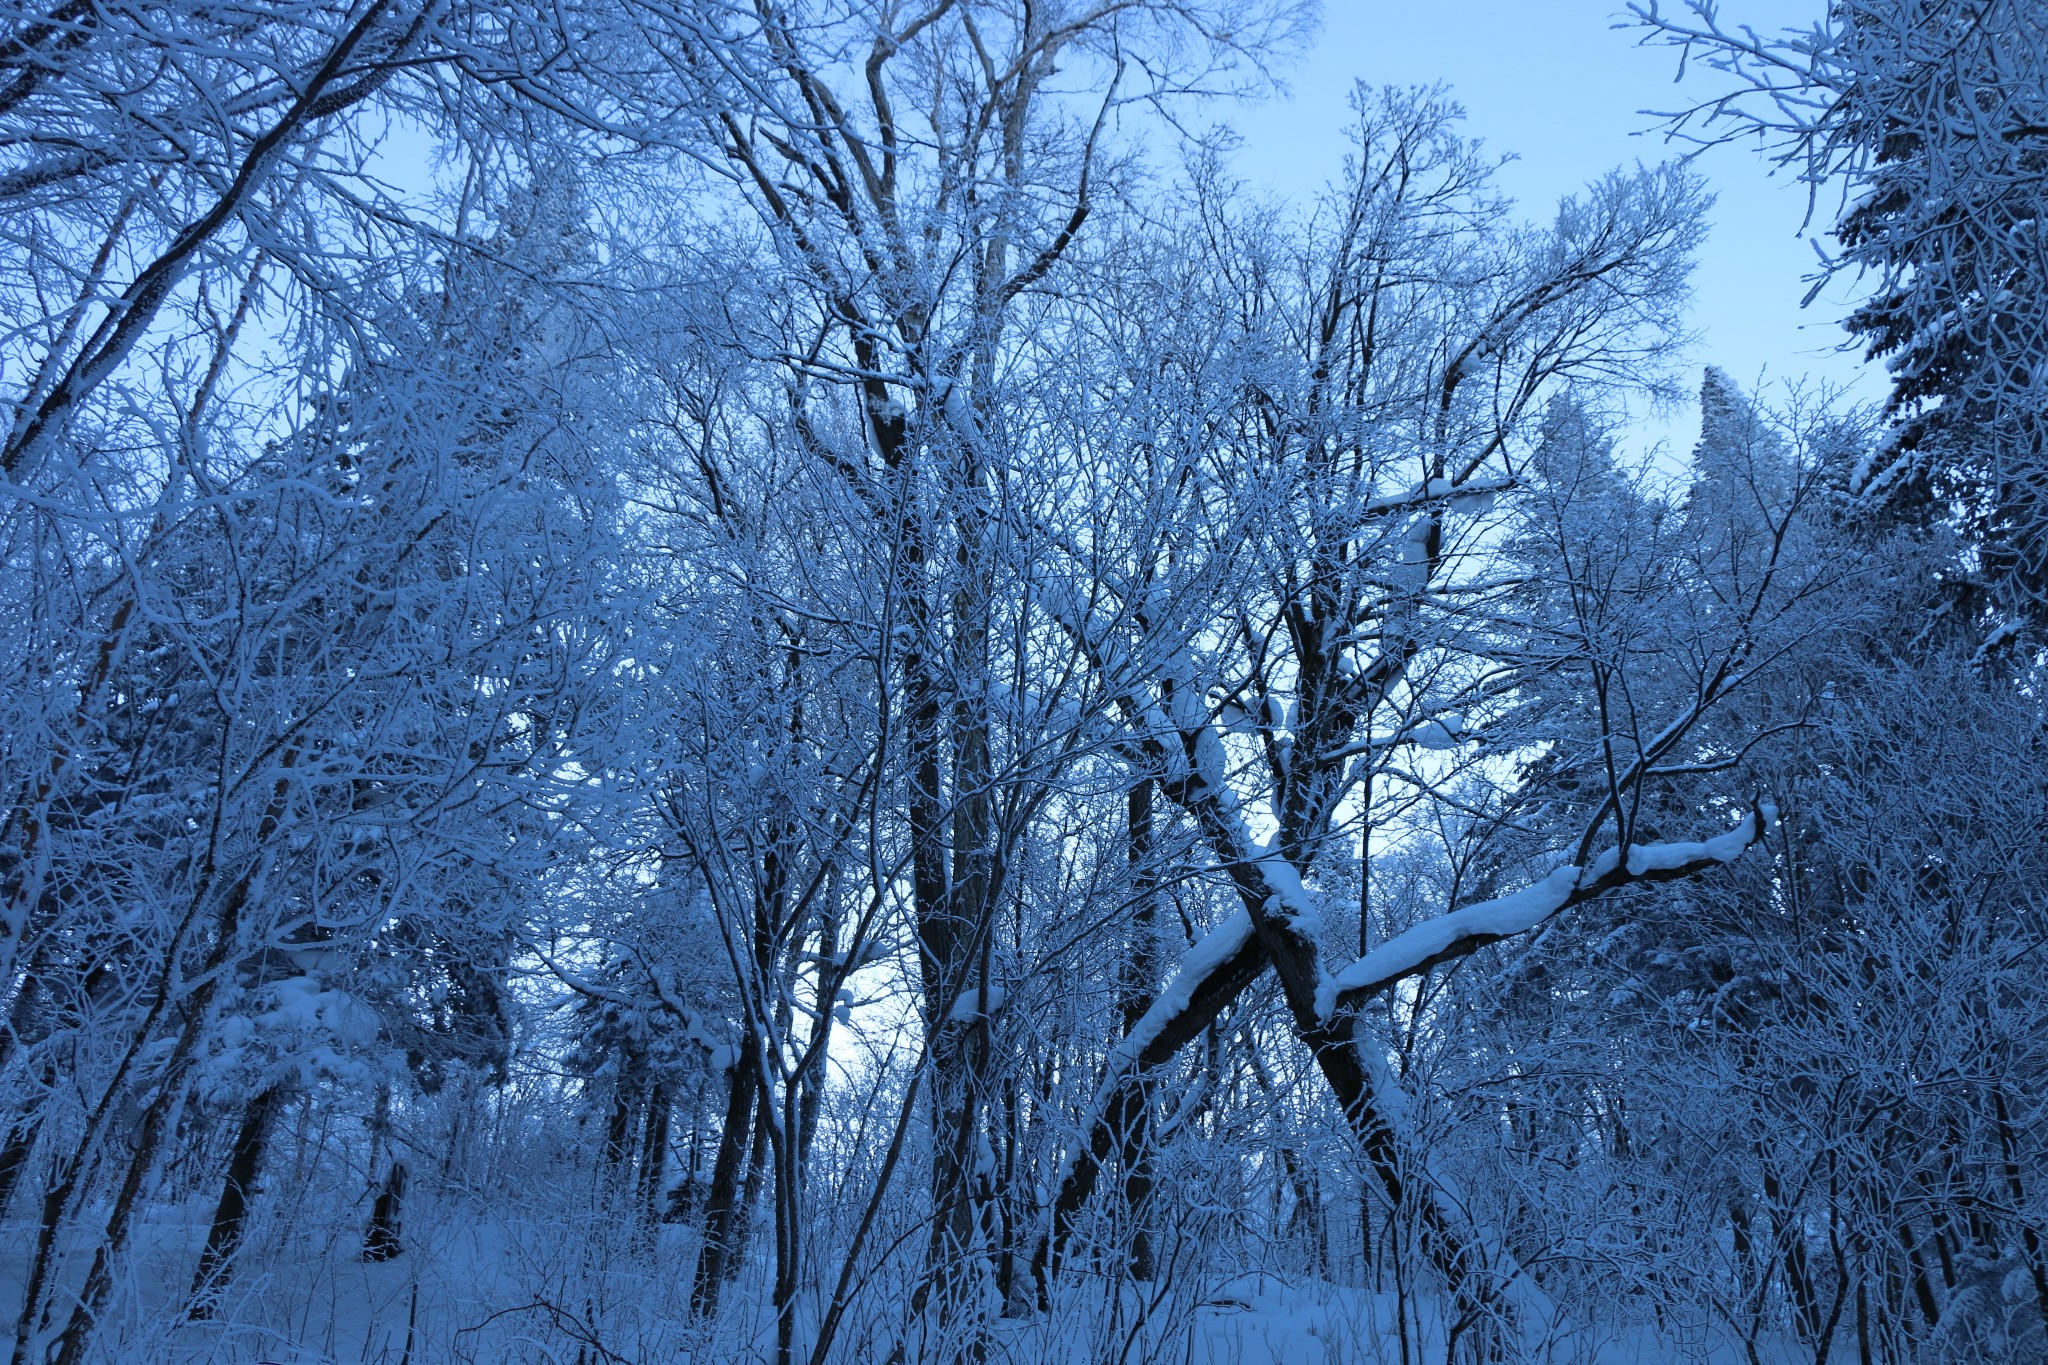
[{"x": 1553, "y": 82}]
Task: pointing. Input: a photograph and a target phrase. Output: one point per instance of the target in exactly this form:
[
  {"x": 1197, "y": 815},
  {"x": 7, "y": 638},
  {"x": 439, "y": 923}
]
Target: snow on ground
[{"x": 475, "y": 1292}]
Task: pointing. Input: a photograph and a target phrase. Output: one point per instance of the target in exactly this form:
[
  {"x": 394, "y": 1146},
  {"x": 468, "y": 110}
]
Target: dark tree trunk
[
  {"x": 681, "y": 1204},
  {"x": 2030, "y": 1240},
  {"x": 813, "y": 1097},
  {"x": 1207, "y": 1000},
  {"x": 1305, "y": 1216},
  {"x": 758, "y": 1153},
  {"x": 224, "y": 1237},
  {"x": 1792, "y": 1257},
  {"x": 722, "y": 1200},
  {"x": 381, "y": 1242},
  {"x": 23, "y": 1025},
  {"x": 948, "y": 720},
  {"x": 618, "y": 1127},
  {"x": 1863, "y": 1356},
  {"x": 654, "y": 1152},
  {"x": 1337, "y": 1055},
  {"x": 955, "y": 944},
  {"x": 1923, "y": 1288}
]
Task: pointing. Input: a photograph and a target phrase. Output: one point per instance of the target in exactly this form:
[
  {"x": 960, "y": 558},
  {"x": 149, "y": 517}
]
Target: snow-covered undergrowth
[{"x": 477, "y": 1286}]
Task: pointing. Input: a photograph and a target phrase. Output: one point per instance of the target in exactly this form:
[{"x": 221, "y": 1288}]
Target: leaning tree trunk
[
  {"x": 230, "y": 1213},
  {"x": 721, "y": 1202},
  {"x": 1123, "y": 1082}
]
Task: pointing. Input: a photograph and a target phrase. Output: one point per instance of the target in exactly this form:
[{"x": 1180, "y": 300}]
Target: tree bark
[
  {"x": 382, "y": 1241},
  {"x": 1140, "y": 982},
  {"x": 654, "y": 1152},
  {"x": 1122, "y": 1085},
  {"x": 721, "y": 1201},
  {"x": 758, "y": 1152},
  {"x": 224, "y": 1237},
  {"x": 2030, "y": 1240}
]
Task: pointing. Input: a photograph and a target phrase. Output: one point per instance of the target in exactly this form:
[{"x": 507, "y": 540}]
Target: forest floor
[{"x": 475, "y": 1291}]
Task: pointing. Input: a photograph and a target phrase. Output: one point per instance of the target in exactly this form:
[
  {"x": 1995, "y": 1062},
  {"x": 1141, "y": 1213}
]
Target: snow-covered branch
[{"x": 1465, "y": 931}]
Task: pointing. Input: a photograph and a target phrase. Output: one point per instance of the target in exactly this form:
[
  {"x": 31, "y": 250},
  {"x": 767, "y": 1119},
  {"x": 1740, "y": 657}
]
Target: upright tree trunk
[
  {"x": 1791, "y": 1239},
  {"x": 1923, "y": 1286},
  {"x": 224, "y": 1237},
  {"x": 382, "y": 1240},
  {"x": 618, "y": 1126},
  {"x": 758, "y": 1153},
  {"x": 950, "y": 929},
  {"x": 1305, "y": 1211},
  {"x": 654, "y": 1152},
  {"x": 813, "y": 1097},
  {"x": 1140, "y": 981},
  {"x": 788, "y": 1184}
]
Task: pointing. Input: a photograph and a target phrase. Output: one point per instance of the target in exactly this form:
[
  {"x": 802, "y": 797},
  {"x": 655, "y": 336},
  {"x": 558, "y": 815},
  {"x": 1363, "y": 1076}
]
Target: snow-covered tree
[{"x": 1929, "y": 120}]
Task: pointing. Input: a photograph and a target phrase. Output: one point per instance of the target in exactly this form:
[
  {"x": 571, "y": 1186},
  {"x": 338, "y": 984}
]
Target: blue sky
[{"x": 1553, "y": 82}]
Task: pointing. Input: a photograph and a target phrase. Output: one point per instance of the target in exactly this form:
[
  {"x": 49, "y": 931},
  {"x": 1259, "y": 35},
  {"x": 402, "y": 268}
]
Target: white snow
[
  {"x": 1722, "y": 848},
  {"x": 1472, "y": 502},
  {"x": 1286, "y": 897},
  {"x": 1473, "y": 495},
  {"x": 1445, "y": 732},
  {"x": 977, "y": 1003},
  {"x": 1197, "y": 964}
]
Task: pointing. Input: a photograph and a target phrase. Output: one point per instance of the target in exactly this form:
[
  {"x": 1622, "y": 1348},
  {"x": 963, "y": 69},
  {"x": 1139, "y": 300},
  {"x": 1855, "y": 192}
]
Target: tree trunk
[
  {"x": 224, "y": 1237},
  {"x": 168, "y": 1085},
  {"x": 381, "y": 1241},
  {"x": 1140, "y": 982},
  {"x": 1122, "y": 1085},
  {"x": 1792, "y": 1257},
  {"x": 1305, "y": 1212},
  {"x": 1923, "y": 1287},
  {"x": 618, "y": 1126},
  {"x": 960, "y": 1055},
  {"x": 25, "y": 1025},
  {"x": 813, "y": 1096},
  {"x": 654, "y": 1152},
  {"x": 721, "y": 1201},
  {"x": 788, "y": 1222},
  {"x": 1339, "y": 1057},
  {"x": 758, "y": 1153}
]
